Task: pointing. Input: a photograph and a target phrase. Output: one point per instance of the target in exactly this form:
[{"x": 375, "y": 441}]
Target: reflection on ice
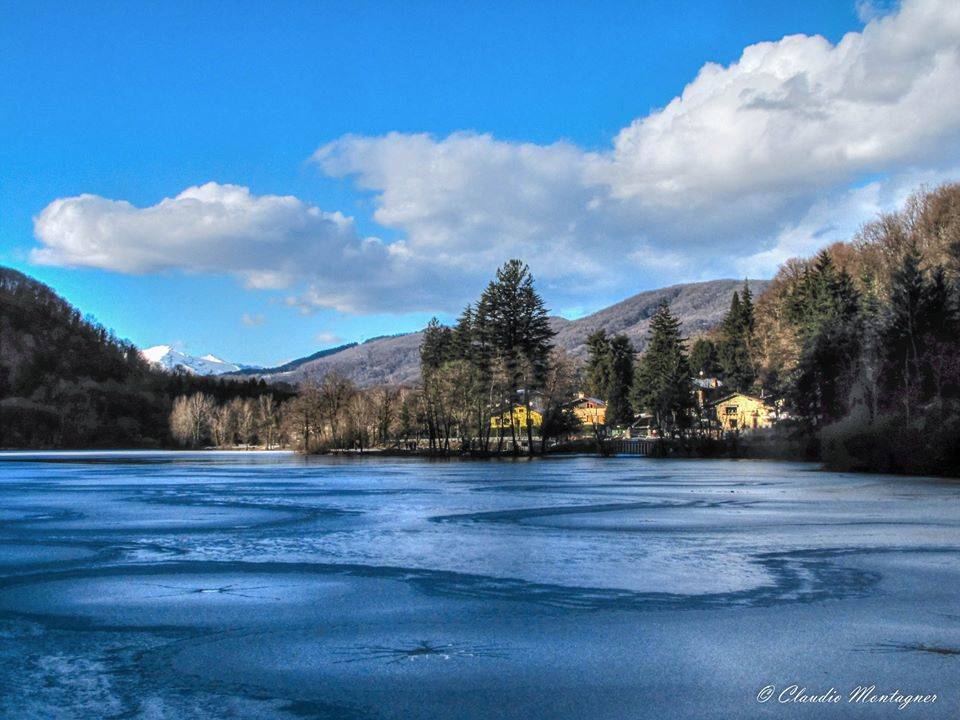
[{"x": 916, "y": 647}]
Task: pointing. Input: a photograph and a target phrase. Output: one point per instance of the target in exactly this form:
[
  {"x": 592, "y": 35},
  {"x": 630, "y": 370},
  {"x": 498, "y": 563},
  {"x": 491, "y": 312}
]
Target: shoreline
[{"x": 741, "y": 451}]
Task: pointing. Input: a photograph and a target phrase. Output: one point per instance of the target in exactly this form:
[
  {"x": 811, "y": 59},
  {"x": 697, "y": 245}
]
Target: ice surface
[{"x": 179, "y": 585}]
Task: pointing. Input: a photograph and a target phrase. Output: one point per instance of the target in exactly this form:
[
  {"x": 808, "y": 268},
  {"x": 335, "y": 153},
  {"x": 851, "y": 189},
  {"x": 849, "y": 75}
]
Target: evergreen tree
[
  {"x": 942, "y": 330},
  {"x": 703, "y": 358},
  {"x": 436, "y": 352},
  {"x": 904, "y": 328},
  {"x": 622, "y": 360},
  {"x": 737, "y": 340},
  {"x": 826, "y": 309},
  {"x": 463, "y": 335},
  {"x": 482, "y": 360},
  {"x": 597, "y": 371},
  {"x": 662, "y": 383},
  {"x": 519, "y": 333},
  {"x": 437, "y": 345},
  {"x": 748, "y": 320},
  {"x": 609, "y": 374},
  {"x": 921, "y": 334}
]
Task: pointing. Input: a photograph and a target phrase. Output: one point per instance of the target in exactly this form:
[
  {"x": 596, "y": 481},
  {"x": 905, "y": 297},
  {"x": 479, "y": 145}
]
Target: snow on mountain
[{"x": 168, "y": 358}]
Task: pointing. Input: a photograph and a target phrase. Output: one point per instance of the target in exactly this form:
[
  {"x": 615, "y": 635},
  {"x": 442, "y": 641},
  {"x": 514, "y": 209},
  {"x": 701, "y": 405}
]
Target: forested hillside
[
  {"x": 391, "y": 360},
  {"x": 66, "y": 381},
  {"x": 863, "y": 341},
  {"x": 699, "y": 306}
]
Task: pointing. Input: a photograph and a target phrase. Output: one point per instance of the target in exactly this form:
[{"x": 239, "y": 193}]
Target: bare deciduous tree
[{"x": 190, "y": 418}]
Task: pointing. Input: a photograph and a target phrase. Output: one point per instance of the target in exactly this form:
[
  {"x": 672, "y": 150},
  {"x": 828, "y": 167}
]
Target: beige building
[
  {"x": 589, "y": 410},
  {"x": 740, "y": 412}
]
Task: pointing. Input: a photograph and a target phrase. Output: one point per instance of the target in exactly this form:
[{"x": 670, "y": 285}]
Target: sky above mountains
[{"x": 260, "y": 182}]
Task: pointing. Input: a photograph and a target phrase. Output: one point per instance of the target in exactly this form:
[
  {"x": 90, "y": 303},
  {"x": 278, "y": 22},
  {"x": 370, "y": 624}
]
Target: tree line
[
  {"x": 863, "y": 341},
  {"x": 859, "y": 346}
]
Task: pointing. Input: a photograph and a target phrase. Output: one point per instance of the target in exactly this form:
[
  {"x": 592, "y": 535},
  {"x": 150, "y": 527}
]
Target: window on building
[{"x": 730, "y": 409}]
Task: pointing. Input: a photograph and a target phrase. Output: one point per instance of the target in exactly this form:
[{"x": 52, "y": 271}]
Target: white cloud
[
  {"x": 743, "y": 157},
  {"x": 802, "y": 114},
  {"x": 327, "y": 338},
  {"x": 838, "y": 218},
  {"x": 253, "y": 320},
  {"x": 750, "y": 163},
  {"x": 469, "y": 202},
  {"x": 264, "y": 240}
]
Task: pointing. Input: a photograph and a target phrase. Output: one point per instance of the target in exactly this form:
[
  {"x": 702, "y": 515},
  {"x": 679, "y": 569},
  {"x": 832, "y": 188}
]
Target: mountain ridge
[
  {"x": 395, "y": 359},
  {"x": 291, "y": 365}
]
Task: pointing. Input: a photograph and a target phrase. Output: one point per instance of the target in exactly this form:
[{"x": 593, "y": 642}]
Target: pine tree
[
  {"x": 621, "y": 363},
  {"x": 662, "y": 383},
  {"x": 436, "y": 348},
  {"x": 903, "y": 338},
  {"x": 520, "y": 334},
  {"x": 463, "y": 335},
  {"x": 737, "y": 340},
  {"x": 609, "y": 374},
  {"x": 703, "y": 358},
  {"x": 941, "y": 327},
  {"x": 597, "y": 371},
  {"x": 436, "y": 351},
  {"x": 488, "y": 381},
  {"x": 826, "y": 309}
]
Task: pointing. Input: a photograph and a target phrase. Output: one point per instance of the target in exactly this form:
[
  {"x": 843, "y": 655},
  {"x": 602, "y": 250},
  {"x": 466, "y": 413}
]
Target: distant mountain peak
[
  {"x": 156, "y": 353},
  {"x": 169, "y": 358}
]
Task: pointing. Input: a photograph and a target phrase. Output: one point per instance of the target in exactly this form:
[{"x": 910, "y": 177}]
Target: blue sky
[{"x": 395, "y": 153}]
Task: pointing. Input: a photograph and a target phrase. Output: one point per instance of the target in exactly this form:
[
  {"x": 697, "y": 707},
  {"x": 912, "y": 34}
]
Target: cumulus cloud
[
  {"x": 468, "y": 202},
  {"x": 254, "y": 320},
  {"x": 266, "y": 241},
  {"x": 719, "y": 179},
  {"x": 802, "y": 113},
  {"x": 786, "y": 149},
  {"x": 212, "y": 228}
]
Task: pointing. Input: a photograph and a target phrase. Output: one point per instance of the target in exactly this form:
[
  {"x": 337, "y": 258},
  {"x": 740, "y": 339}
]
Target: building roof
[
  {"x": 730, "y": 396},
  {"x": 708, "y": 383},
  {"x": 587, "y": 398}
]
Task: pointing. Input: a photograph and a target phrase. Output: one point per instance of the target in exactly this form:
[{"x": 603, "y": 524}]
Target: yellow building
[
  {"x": 744, "y": 412},
  {"x": 589, "y": 410},
  {"x": 519, "y": 418}
]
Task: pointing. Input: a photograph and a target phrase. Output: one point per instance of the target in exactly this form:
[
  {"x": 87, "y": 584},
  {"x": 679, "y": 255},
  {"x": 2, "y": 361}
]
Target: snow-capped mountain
[{"x": 168, "y": 358}]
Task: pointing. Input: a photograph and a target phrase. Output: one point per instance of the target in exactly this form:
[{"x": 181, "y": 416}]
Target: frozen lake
[{"x": 216, "y": 585}]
